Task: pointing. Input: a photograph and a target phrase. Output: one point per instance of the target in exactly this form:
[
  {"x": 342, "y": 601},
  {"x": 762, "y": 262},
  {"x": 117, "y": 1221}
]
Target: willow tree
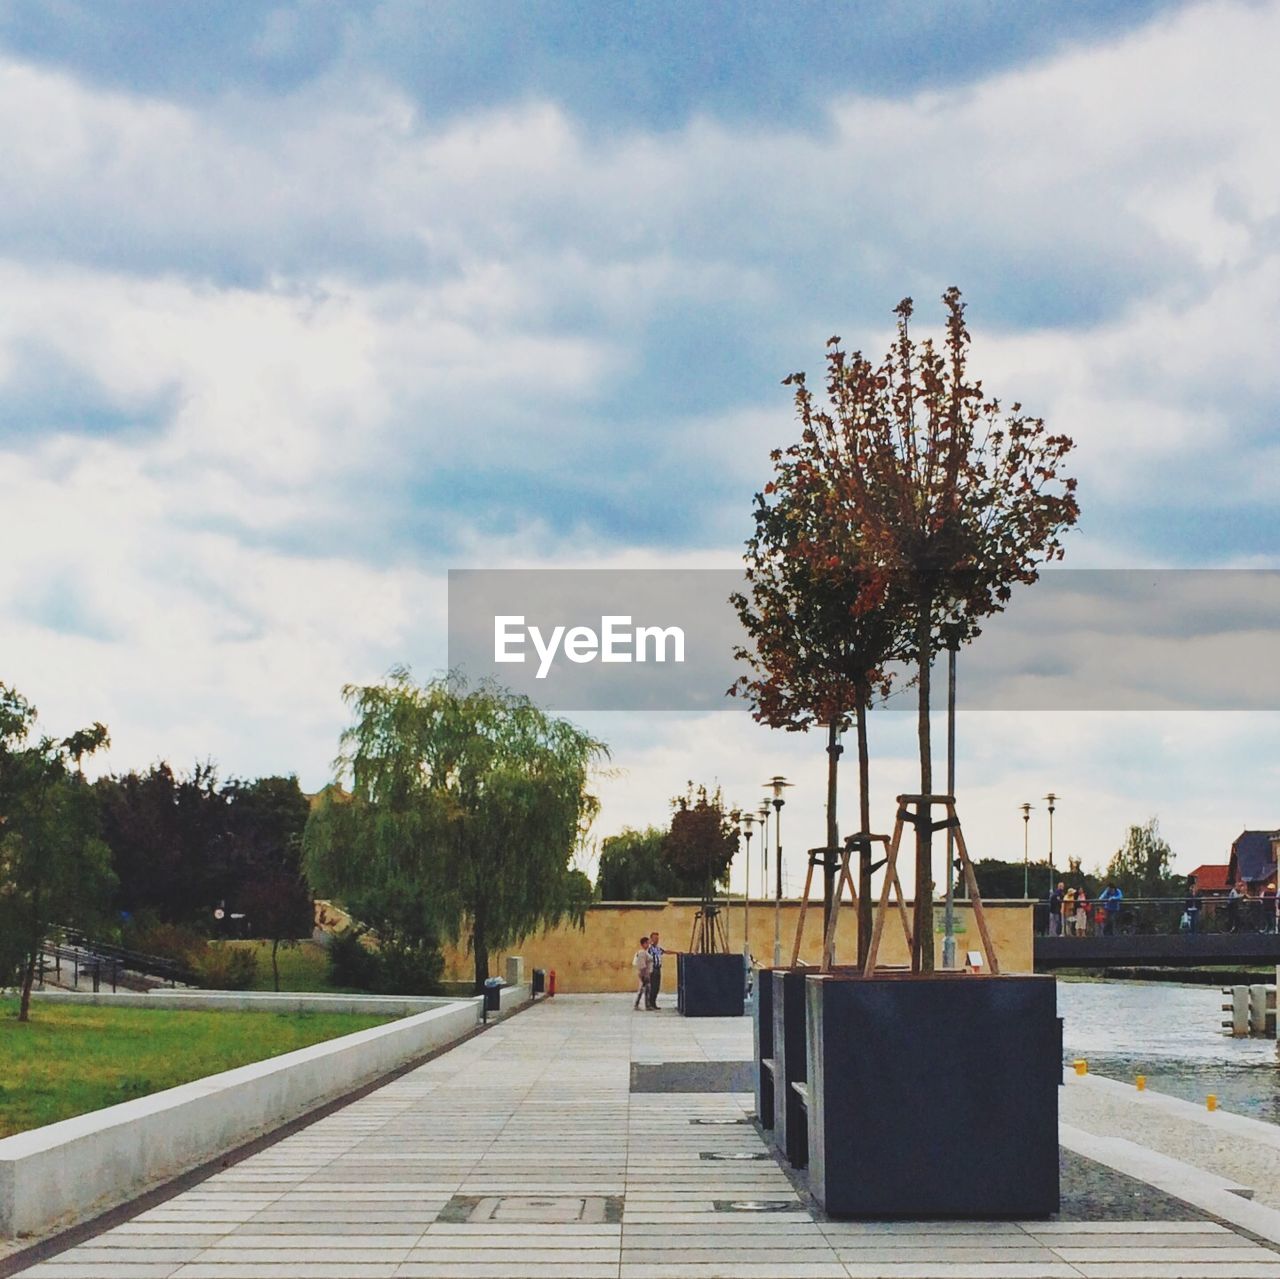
[
  {"x": 956, "y": 501},
  {"x": 463, "y": 810},
  {"x": 822, "y": 630}
]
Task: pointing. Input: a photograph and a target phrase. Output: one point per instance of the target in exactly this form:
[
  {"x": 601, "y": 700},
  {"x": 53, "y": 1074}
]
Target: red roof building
[{"x": 1211, "y": 878}]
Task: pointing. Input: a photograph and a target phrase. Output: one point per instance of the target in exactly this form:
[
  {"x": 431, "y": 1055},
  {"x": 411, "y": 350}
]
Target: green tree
[
  {"x": 53, "y": 867},
  {"x": 1005, "y": 880},
  {"x": 464, "y": 810},
  {"x": 1140, "y": 866},
  {"x": 632, "y": 870},
  {"x": 955, "y": 501},
  {"x": 183, "y": 844}
]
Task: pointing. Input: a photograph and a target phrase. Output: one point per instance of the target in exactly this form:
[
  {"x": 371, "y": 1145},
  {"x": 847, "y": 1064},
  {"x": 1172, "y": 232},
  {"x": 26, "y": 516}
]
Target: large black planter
[
  {"x": 711, "y": 985},
  {"x": 934, "y": 1096},
  {"x": 790, "y": 1067},
  {"x": 762, "y": 1018}
]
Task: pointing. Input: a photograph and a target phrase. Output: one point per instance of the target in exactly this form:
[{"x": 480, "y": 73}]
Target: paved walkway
[{"x": 524, "y": 1152}]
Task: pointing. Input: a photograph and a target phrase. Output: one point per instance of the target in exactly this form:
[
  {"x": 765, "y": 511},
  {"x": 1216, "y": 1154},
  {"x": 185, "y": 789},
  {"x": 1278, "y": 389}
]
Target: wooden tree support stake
[
  {"x": 855, "y": 843},
  {"x": 912, "y": 810},
  {"x": 817, "y": 857}
]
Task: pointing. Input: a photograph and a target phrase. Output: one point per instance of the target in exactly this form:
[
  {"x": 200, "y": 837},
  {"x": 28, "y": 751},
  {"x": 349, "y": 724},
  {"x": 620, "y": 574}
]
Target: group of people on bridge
[{"x": 1071, "y": 914}]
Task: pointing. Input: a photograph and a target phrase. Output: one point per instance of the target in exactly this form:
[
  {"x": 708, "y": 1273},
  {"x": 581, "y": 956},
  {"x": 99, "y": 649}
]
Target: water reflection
[{"x": 1173, "y": 1035}]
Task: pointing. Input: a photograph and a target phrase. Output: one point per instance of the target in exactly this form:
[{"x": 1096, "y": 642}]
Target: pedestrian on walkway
[
  {"x": 1110, "y": 899},
  {"x": 655, "y": 971},
  {"x": 1055, "y": 909},
  {"x": 1191, "y": 906},
  {"x": 1082, "y": 912},
  {"x": 1069, "y": 913},
  {"x": 643, "y": 965}
]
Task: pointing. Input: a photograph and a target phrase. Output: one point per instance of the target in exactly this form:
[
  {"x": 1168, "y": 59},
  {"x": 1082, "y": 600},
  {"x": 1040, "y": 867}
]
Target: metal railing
[
  {"x": 169, "y": 970},
  {"x": 1164, "y": 916},
  {"x": 53, "y": 958}
]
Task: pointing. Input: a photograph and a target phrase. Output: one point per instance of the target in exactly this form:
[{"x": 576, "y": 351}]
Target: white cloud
[{"x": 303, "y": 309}]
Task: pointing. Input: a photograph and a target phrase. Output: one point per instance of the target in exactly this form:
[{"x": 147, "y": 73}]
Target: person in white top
[{"x": 643, "y": 965}]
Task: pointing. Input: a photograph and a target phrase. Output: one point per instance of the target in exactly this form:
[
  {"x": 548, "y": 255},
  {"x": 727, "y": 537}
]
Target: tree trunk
[
  {"x": 829, "y": 868},
  {"x": 480, "y": 950},
  {"x": 28, "y": 980},
  {"x": 922, "y": 941},
  {"x": 275, "y": 963},
  {"x": 865, "y": 910}
]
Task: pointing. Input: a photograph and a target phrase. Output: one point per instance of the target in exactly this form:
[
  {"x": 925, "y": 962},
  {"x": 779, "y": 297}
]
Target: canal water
[{"x": 1173, "y": 1035}]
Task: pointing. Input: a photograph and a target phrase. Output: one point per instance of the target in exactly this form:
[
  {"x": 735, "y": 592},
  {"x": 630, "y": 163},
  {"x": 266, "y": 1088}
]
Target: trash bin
[
  {"x": 539, "y": 981},
  {"x": 493, "y": 994}
]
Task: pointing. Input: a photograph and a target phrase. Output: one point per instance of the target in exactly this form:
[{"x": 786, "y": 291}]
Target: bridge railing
[{"x": 1167, "y": 916}]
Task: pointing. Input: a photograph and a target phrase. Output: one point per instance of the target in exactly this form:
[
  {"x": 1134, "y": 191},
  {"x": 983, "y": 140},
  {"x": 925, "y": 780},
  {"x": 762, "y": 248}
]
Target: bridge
[{"x": 1167, "y": 950}]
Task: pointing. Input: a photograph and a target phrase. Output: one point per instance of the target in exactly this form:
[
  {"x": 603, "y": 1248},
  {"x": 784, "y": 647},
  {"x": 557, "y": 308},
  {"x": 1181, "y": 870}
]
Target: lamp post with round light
[
  {"x": 746, "y": 823},
  {"x": 764, "y": 846},
  {"x": 777, "y": 785},
  {"x": 1026, "y": 855},
  {"x": 1052, "y": 800}
]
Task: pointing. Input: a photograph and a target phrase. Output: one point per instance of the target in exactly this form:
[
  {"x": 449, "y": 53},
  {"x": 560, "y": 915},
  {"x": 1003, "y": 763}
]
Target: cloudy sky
[{"x": 305, "y": 305}]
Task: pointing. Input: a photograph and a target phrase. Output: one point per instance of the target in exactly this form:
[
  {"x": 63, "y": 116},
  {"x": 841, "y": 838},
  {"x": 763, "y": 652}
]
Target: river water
[{"x": 1173, "y": 1035}]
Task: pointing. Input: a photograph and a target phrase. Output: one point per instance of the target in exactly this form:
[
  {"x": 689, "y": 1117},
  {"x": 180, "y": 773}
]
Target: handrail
[
  {"x": 1215, "y": 912},
  {"x": 148, "y": 965}
]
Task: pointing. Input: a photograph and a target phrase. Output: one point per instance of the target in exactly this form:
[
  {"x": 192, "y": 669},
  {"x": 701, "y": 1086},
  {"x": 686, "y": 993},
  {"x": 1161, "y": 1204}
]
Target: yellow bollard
[
  {"x": 1141, "y": 1083},
  {"x": 1082, "y": 1066},
  {"x": 1211, "y": 1101}
]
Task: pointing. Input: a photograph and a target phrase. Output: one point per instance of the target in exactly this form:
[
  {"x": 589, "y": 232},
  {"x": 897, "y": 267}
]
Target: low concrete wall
[
  {"x": 250, "y": 1001},
  {"x": 73, "y": 1169},
  {"x": 513, "y": 996}
]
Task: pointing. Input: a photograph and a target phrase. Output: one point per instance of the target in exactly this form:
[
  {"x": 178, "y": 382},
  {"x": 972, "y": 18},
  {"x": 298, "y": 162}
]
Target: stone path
[{"x": 524, "y": 1153}]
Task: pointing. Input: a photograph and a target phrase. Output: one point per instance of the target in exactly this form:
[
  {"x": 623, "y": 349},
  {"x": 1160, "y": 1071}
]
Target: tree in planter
[
  {"x": 465, "y": 806},
  {"x": 699, "y": 847},
  {"x": 53, "y": 867},
  {"x": 822, "y": 626},
  {"x": 955, "y": 500}
]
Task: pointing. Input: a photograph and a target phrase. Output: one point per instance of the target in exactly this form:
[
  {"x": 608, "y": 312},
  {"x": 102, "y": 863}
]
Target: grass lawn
[
  {"x": 304, "y": 967},
  {"x": 74, "y": 1058}
]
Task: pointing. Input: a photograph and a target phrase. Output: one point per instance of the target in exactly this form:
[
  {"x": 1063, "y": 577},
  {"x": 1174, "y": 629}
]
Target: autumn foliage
[{"x": 911, "y": 506}]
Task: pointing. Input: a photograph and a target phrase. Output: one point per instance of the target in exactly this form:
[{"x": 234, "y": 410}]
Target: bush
[
  {"x": 178, "y": 942},
  {"x": 222, "y": 967},
  {"x": 351, "y": 963},
  {"x": 408, "y": 969},
  {"x": 394, "y": 967}
]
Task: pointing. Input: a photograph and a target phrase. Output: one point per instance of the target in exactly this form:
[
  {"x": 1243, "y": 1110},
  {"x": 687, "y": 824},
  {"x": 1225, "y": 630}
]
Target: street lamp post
[
  {"x": 748, "y": 821},
  {"x": 777, "y": 785},
  {"x": 1052, "y": 799},
  {"x": 1026, "y": 854},
  {"x": 764, "y": 845}
]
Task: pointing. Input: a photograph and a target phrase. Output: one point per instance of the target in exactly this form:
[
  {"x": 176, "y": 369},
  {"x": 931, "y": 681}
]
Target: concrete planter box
[
  {"x": 711, "y": 985},
  {"x": 933, "y": 1096},
  {"x": 788, "y": 1048},
  {"x": 762, "y": 1018},
  {"x": 790, "y": 1065}
]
